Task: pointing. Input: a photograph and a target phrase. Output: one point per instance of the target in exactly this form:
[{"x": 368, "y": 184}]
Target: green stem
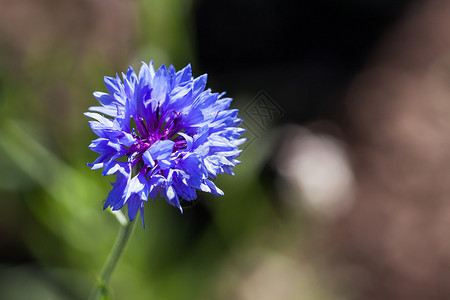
[{"x": 100, "y": 290}]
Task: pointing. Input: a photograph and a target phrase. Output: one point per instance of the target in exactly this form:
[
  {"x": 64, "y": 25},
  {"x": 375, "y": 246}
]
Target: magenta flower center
[{"x": 146, "y": 137}]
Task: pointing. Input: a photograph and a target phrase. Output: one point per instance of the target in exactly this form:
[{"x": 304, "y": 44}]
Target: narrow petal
[
  {"x": 160, "y": 84},
  {"x": 115, "y": 196},
  {"x": 199, "y": 85},
  {"x": 133, "y": 204}
]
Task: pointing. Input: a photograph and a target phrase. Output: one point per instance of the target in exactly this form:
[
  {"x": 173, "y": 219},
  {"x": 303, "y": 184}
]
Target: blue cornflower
[{"x": 165, "y": 135}]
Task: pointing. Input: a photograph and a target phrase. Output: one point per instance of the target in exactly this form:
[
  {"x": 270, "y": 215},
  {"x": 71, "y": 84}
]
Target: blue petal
[
  {"x": 205, "y": 100},
  {"x": 114, "y": 198},
  {"x": 117, "y": 167},
  {"x": 141, "y": 210},
  {"x": 189, "y": 141},
  {"x": 133, "y": 204},
  {"x": 184, "y": 75},
  {"x": 171, "y": 197},
  {"x": 199, "y": 85},
  {"x": 161, "y": 149},
  {"x": 113, "y": 85},
  {"x": 107, "y": 110},
  {"x": 145, "y": 77},
  {"x": 214, "y": 189},
  {"x": 106, "y": 99},
  {"x": 136, "y": 186},
  {"x": 160, "y": 84},
  {"x": 148, "y": 160}
]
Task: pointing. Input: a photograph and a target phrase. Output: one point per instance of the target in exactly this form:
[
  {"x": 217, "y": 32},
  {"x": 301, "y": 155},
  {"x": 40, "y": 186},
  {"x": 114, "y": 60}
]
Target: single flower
[{"x": 164, "y": 134}]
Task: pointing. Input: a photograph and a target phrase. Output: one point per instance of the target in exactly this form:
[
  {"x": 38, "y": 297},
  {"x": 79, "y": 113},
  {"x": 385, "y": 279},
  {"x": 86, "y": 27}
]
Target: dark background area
[{"x": 303, "y": 53}]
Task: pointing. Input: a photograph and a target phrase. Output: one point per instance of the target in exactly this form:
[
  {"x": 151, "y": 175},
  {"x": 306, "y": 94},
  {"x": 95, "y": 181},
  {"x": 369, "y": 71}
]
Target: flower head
[{"x": 164, "y": 134}]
